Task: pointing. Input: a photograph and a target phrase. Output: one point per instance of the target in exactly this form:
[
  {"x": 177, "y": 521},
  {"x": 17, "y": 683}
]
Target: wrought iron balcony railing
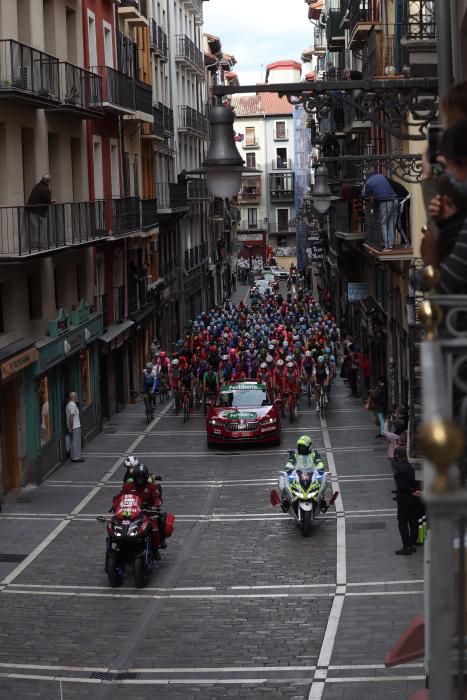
[
  {"x": 362, "y": 12},
  {"x": 126, "y": 215},
  {"x": 387, "y": 226},
  {"x": 281, "y": 187},
  {"x": 278, "y": 227},
  {"x": 149, "y": 217},
  {"x": 320, "y": 42},
  {"x": 168, "y": 119},
  {"x": 196, "y": 255},
  {"x": 197, "y": 190},
  {"x": 419, "y": 20},
  {"x": 29, "y": 230},
  {"x": 168, "y": 267},
  {"x": 80, "y": 90},
  {"x": 159, "y": 42},
  {"x": 28, "y": 74},
  {"x": 143, "y": 97},
  {"x": 249, "y": 195},
  {"x": 188, "y": 53},
  {"x": 191, "y": 120},
  {"x": 118, "y": 89},
  {"x": 171, "y": 196},
  {"x": 349, "y": 219}
]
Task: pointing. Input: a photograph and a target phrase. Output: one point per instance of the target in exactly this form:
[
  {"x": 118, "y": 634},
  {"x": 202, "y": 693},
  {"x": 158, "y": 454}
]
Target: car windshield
[{"x": 240, "y": 396}]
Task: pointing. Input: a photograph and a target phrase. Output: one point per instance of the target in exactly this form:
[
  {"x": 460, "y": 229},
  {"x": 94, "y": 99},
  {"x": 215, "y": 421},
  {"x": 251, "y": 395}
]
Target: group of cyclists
[{"x": 288, "y": 343}]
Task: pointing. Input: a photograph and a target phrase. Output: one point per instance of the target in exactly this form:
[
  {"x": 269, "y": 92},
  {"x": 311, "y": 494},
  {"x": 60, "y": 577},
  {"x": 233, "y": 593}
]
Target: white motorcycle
[{"x": 301, "y": 493}]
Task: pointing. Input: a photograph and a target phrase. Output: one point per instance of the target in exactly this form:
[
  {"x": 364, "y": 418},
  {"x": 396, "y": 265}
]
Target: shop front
[
  {"x": 114, "y": 358},
  {"x": 67, "y": 360},
  {"x": 14, "y": 360}
]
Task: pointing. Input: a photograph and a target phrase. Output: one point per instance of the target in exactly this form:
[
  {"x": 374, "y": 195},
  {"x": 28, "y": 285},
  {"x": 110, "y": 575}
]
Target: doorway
[{"x": 9, "y": 437}]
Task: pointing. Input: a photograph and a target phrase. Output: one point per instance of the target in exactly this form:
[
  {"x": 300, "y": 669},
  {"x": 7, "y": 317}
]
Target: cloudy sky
[{"x": 259, "y": 32}]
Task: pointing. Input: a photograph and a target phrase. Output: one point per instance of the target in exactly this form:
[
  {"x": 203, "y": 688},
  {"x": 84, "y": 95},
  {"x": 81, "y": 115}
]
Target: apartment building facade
[
  {"x": 369, "y": 280},
  {"x": 265, "y": 131},
  {"x": 109, "y": 98}
]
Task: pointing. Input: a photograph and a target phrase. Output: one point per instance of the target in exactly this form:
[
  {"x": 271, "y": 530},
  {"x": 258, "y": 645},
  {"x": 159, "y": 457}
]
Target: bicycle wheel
[
  {"x": 322, "y": 403},
  {"x": 147, "y": 410}
]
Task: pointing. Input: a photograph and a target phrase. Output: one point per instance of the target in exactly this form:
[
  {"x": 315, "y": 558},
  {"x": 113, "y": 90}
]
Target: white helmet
[
  {"x": 131, "y": 462},
  {"x": 308, "y": 353},
  {"x": 280, "y": 363},
  {"x": 290, "y": 365},
  {"x": 224, "y": 358},
  {"x": 263, "y": 365},
  {"x": 289, "y": 358},
  {"x": 175, "y": 363},
  {"x": 269, "y": 359}
]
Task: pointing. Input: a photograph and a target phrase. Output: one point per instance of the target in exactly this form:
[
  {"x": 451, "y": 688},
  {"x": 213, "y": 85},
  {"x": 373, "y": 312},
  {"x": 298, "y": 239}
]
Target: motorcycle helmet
[
  {"x": 131, "y": 462},
  {"x": 320, "y": 466},
  {"x": 304, "y": 445},
  {"x": 140, "y": 475}
]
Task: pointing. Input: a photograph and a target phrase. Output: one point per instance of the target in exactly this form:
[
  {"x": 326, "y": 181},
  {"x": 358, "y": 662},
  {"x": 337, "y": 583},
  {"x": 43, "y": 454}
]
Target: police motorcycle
[{"x": 302, "y": 486}]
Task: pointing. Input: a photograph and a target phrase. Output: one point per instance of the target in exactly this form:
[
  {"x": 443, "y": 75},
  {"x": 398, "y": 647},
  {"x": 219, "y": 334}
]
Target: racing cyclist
[
  {"x": 148, "y": 386},
  {"x": 321, "y": 380}
]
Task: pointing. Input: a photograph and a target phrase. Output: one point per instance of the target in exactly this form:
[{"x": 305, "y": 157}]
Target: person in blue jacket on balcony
[{"x": 383, "y": 208}]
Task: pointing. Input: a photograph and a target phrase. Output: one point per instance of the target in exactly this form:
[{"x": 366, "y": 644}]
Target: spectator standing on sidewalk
[
  {"x": 73, "y": 426},
  {"x": 408, "y": 504},
  {"x": 365, "y": 367},
  {"x": 380, "y": 404}
]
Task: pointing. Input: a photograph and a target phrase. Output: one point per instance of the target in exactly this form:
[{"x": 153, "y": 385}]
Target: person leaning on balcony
[
  {"x": 36, "y": 210},
  {"x": 378, "y": 190},
  {"x": 349, "y": 74}
]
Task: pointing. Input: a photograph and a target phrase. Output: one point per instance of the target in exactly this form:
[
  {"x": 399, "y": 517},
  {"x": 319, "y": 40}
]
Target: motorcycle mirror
[
  {"x": 275, "y": 498},
  {"x": 100, "y": 518}
]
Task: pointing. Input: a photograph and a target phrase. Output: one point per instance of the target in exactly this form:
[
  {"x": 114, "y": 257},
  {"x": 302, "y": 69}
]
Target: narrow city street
[{"x": 241, "y": 605}]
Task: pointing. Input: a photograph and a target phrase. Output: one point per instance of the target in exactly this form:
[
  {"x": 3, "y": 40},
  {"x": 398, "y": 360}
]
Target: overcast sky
[{"x": 259, "y": 32}]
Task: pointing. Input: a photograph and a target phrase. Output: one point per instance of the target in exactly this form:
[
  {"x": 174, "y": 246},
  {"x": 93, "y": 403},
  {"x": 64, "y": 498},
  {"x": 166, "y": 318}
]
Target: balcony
[
  {"x": 134, "y": 12},
  {"x": 281, "y": 164},
  {"x": 417, "y": 38},
  {"x": 196, "y": 256},
  {"x": 118, "y": 90},
  {"x": 36, "y": 230},
  {"x": 28, "y": 76},
  {"x": 149, "y": 218},
  {"x": 349, "y": 219},
  {"x": 388, "y": 235},
  {"x": 319, "y": 47},
  {"x": 363, "y": 15},
  {"x": 281, "y": 227},
  {"x": 143, "y": 100},
  {"x": 196, "y": 7},
  {"x": 197, "y": 190},
  {"x": 334, "y": 34},
  {"x": 192, "y": 122},
  {"x": 251, "y": 190},
  {"x": 159, "y": 42},
  {"x": 188, "y": 54},
  {"x": 169, "y": 267},
  {"x": 126, "y": 215},
  {"x": 380, "y": 55},
  {"x": 249, "y": 143},
  {"x": 156, "y": 129},
  {"x": 168, "y": 113},
  {"x": 81, "y": 92},
  {"x": 171, "y": 197},
  {"x": 281, "y": 187}
]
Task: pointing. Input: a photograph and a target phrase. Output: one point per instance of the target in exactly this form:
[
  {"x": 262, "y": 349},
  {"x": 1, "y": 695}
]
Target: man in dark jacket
[
  {"x": 36, "y": 211},
  {"x": 407, "y": 494}
]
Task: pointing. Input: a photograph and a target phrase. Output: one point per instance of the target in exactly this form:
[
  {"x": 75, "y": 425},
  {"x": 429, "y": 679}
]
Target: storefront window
[
  {"x": 85, "y": 363},
  {"x": 46, "y": 428}
]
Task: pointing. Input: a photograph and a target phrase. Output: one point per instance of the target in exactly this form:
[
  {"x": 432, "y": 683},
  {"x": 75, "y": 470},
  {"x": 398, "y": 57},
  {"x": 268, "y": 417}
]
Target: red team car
[{"x": 244, "y": 412}]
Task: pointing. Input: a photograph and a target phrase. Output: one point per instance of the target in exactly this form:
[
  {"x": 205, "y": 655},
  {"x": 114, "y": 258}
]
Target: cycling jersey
[{"x": 210, "y": 379}]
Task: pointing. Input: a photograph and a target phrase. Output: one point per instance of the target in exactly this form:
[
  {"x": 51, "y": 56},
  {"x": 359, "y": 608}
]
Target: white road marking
[
  {"x": 374, "y": 679},
  {"x": 81, "y": 505},
  {"x": 324, "y": 660}
]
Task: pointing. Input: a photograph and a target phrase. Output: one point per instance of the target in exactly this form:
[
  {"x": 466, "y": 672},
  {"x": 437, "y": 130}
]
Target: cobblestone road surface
[{"x": 240, "y": 605}]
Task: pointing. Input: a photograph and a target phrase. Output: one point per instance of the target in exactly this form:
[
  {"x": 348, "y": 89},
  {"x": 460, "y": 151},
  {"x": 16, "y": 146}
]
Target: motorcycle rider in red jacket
[{"x": 151, "y": 497}]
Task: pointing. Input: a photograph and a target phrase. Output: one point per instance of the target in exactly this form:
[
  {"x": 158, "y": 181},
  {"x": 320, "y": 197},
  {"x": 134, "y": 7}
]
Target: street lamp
[
  {"x": 321, "y": 196},
  {"x": 224, "y": 165}
]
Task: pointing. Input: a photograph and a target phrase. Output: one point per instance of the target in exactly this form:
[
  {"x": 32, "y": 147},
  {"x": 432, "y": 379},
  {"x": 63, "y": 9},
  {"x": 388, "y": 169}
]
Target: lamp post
[
  {"x": 224, "y": 165},
  {"x": 321, "y": 197}
]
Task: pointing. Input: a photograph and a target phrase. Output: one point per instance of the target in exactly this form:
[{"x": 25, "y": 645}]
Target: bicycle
[
  {"x": 308, "y": 388},
  {"x": 323, "y": 400},
  {"x": 177, "y": 399},
  {"x": 187, "y": 399},
  {"x": 163, "y": 389},
  {"x": 209, "y": 400},
  {"x": 196, "y": 393},
  {"x": 291, "y": 400},
  {"x": 149, "y": 406}
]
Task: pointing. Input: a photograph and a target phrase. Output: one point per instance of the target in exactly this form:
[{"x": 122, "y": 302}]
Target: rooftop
[{"x": 263, "y": 105}]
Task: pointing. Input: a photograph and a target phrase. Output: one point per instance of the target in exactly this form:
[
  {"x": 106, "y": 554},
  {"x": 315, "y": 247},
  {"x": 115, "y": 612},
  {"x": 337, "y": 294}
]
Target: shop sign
[
  {"x": 18, "y": 362},
  {"x": 54, "y": 351},
  {"x": 250, "y": 236},
  {"x": 357, "y": 291}
]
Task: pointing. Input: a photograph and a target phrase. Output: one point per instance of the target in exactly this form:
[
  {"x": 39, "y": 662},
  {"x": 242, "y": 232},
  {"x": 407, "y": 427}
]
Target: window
[
  {"x": 282, "y": 219},
  {"x": 92, "y": 42},
  {"x": 281, "y": 131},
  {"x": 251, "y": 160},
  {"x": 114, "y": 168},
  {"x": 98, "y": 176},
  {"x": 71, "y": 35},
  {"x": 85, "y": 364},
  {"x": 43, "y": 392},
  {"x": 252, "y": 218},
  {"x": 281, "y": 158},
  {"x": 109, "y": 56},
  {"x": 35, "y": 296},
  {"x": 250, "y": 137}
]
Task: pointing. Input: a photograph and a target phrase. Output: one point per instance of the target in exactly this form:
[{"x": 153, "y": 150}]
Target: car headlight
[
  {"x": 268, "y": 420},
  {"x": 214, "y": 421}
]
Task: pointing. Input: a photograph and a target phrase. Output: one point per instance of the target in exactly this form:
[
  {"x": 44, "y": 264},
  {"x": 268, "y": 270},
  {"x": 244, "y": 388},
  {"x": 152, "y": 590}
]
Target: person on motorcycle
[
  {"x": 150, "y": 494},
  {"x": 130, "y": 464},
  {"x": 321, "y": 379},
  {"x": 305, "y": 457}
]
